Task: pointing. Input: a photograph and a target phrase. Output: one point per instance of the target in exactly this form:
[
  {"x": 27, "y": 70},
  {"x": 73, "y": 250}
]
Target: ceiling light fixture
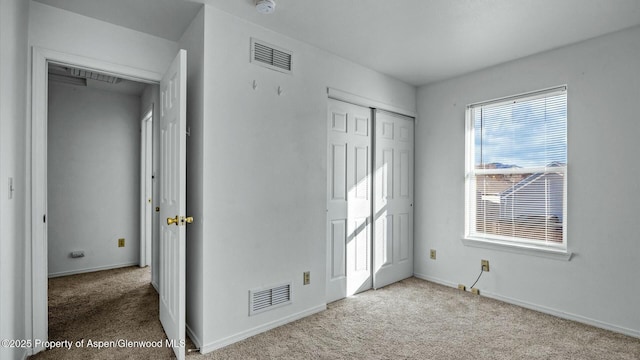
[{"x": 265, "y": 6}]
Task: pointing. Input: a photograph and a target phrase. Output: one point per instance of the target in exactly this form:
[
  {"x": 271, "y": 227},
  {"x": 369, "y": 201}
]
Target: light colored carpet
[
  {"x": 416, "y": 319},
  {"x": 412, "y": 319},
  {"x": 104, "y": 306}
]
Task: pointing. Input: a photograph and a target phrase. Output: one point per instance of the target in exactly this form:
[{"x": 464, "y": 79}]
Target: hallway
[{"x": 104, "y": 306}]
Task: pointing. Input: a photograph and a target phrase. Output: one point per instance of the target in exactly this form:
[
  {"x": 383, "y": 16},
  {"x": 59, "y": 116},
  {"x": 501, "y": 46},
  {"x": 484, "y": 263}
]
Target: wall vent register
[
  {"x": 271, "y": 57},
  {"x": 269, "y": 298}
]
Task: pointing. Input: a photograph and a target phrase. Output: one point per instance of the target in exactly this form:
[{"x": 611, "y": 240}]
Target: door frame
[
  {"x": 146, "y": 186},
  {"x": 36, "y": 322}
]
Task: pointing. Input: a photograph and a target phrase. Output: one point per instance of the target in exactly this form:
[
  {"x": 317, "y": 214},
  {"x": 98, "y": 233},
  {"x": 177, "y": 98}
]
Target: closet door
[
  {"x": 393, "y": 198},
  {"x": 348, "y": 200}
]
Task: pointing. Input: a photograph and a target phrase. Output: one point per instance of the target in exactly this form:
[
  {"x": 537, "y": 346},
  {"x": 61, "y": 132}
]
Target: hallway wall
[
  {"x": 93, "y": 179},
  {"x": 260, "y": 159},
  {"x": 13, "y": 115}
]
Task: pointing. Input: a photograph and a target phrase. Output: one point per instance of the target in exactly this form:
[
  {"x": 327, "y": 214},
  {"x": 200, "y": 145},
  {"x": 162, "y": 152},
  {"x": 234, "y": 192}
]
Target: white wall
[
  {"x": 600, "y": 284},
  {"x": 13, "y": 103},
  {"x": 264, "y": 173},
  {"x": 193, "y": 42},
  {"x": 64, "y": 31},
  {"x": 93, "y": 179},
  {"x": 67, "y": 32}
]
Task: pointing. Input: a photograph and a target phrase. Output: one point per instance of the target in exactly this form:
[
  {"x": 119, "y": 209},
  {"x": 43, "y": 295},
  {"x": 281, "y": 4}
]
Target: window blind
[{"x": 516, "y": 169}]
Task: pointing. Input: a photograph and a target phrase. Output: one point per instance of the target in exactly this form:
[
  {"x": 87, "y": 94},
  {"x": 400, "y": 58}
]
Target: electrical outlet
[
  {"x": 121, "y": 242},
  {"x": 462, "y": 287},
  {"x": 432, "y": 254},
  {"x": 485, "y": 265},
  {"x": 475, "y": 291},
  {"x": 306, "y": 278}
]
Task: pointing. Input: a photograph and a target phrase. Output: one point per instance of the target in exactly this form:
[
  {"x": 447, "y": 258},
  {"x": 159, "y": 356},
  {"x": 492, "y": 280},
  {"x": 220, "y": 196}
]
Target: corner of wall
[
  {"x": 193, "y": 41},
  {"x": 602, "y": 75},
  {"x": 14, "y": 57}
]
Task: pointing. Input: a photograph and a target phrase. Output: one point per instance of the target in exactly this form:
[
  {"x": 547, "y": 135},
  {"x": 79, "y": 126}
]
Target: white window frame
[{"x": 498, "y": 242}]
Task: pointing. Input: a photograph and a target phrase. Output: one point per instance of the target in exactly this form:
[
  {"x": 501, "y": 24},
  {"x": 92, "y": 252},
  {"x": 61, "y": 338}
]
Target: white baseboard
[
  {"x": 435, "y": 280},
  {"x": 564, "y": 315},
  {"x": 542, "y": 309},
  {"x": 92, "y": 269},
  {"x": 32, "y": 351},
  {"x": 196, "y": 340},
  {"x": 155, "y": 286},
  {"x": 259, "y": 329}
]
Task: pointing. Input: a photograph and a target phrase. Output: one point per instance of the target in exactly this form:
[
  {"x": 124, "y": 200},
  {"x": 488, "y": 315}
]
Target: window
[{"x": 516, "y": 170}]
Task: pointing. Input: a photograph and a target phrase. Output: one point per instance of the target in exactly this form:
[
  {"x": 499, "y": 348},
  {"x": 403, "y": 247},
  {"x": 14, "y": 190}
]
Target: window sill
[{"x": 551, "y": 253}]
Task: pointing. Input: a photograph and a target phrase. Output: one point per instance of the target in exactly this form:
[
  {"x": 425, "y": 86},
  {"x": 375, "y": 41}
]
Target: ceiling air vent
[
  {"x": 93, "y": 75},
  {"x": 270, "y": 56},
  {"x": 269, "y": 298}
]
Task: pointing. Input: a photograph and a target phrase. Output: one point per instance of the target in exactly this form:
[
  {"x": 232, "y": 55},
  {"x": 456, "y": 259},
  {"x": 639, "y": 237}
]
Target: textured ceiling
[{"x": 417, "y": 41}]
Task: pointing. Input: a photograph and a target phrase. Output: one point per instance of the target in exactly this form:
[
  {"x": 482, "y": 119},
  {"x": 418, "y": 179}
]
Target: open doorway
[
  {"x": 100, "y": 181},
  {"x": 169, "y": 263},
  {"x": 99, "y": 171}
]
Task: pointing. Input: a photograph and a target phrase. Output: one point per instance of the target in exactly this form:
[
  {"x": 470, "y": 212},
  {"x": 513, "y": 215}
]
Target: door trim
[
  {"x": 36, "y": 321},
  {"x": 146, "y": 186},
  {"x": 348, "y": 97}
]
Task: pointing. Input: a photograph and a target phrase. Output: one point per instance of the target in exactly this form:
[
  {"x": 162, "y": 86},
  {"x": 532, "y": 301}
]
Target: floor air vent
[
  {"x": 270, "y": 56},
  {"x": 269, "y": 298}
]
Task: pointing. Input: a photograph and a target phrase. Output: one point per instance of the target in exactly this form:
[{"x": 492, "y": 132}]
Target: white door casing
[
  {"x": 36, "y": 322},
  {"x": 348, "y": 200},
  {"x": 146, "y": 188},
  {"x": 173, "y": 202},
  {"x": 393, "y": 198}
]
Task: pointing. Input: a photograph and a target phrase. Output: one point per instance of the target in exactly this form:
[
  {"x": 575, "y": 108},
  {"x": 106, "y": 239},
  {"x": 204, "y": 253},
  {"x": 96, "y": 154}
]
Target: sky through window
[{"x": 530, "y": 133}]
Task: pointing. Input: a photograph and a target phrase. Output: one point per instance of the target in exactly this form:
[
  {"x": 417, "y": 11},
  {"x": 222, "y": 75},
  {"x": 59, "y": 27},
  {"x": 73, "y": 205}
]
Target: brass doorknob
[
  {"x": 188, "y": 219},
  {"x": 173, "y": 220}
]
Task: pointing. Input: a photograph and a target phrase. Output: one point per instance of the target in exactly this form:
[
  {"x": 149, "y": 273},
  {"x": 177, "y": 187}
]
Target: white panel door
[
  {"x": 348, "y": 200},
  {"x": 393, "y": 199},
  {"x": 172, "y": 267}
]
